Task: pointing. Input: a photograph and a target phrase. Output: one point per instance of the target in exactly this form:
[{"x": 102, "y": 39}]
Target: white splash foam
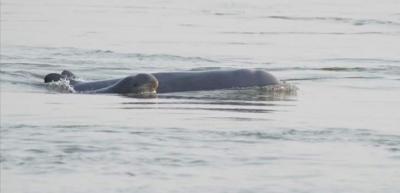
[
  {"x": 281, "y": 88},
  {"x": 62, "y": 86}
]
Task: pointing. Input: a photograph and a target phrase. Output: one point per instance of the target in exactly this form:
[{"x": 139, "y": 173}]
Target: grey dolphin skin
[
  {"x": 187, "y": 81},
  {"x": 212, "y": 80},
  {"x": 140, "y": 83},
  {"x": 135, "y": 84}
]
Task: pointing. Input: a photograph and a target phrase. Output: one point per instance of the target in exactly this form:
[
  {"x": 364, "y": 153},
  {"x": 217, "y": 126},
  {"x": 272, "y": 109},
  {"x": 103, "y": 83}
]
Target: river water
[{"x": 338, "y": 132}]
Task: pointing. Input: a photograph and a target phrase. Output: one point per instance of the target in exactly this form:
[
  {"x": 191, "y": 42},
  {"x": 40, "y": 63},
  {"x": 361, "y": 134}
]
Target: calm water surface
[{"x": 339, "y": 132}]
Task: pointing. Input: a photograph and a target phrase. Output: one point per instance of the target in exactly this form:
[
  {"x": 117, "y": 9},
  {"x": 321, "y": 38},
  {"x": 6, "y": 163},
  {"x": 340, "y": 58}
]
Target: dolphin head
[{"x": 137, "y": 84}]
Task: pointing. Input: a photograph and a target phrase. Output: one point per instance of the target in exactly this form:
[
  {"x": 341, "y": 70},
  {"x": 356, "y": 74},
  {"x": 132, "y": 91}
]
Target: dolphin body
[{"x": 184, "y": 81}]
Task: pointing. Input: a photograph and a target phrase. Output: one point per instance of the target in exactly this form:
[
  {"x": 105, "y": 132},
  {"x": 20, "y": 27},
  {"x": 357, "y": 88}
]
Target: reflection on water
[
  {"x": 266, "y": 93},
  {"x": 245, "y": 100}
]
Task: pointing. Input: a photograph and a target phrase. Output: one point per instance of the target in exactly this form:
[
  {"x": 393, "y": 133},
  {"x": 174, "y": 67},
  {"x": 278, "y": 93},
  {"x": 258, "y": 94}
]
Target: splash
[
  {"x": 281, "y": 88},
  {"x": 62, "y": 86},
  {"x": 283, "y": 91}
]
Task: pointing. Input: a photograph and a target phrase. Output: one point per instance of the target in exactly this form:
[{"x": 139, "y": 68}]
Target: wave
[
  {"x": 239, "y": 110},
  {"x": 368, "y": 137},
  {"x": 381, "y": 72},
  {"x": 34, "y": 80},
  {"x": 362, "y": 60},
  {"x": 70, "y": 52},
  {"x": 386, "y": 68},
  {"x": 329, "y": 78},
  {"x": 375, "y": 69},
  {"x": 357, "y": 22},
  {"x": 30, "y": 64},
  {"x": 201, "y": 102},
  {"x": 308, "y": 33},
  {"x": 20, "y": 77},
  {"x": 21, "y": 73}
]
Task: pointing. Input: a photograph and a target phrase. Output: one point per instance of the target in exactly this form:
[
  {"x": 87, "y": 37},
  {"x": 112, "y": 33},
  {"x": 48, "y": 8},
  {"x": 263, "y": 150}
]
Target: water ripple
[
  {"x": 352, "y": 21},
  {"x": 308, "y": 33},
  {"x": 368, "y": 137}
]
